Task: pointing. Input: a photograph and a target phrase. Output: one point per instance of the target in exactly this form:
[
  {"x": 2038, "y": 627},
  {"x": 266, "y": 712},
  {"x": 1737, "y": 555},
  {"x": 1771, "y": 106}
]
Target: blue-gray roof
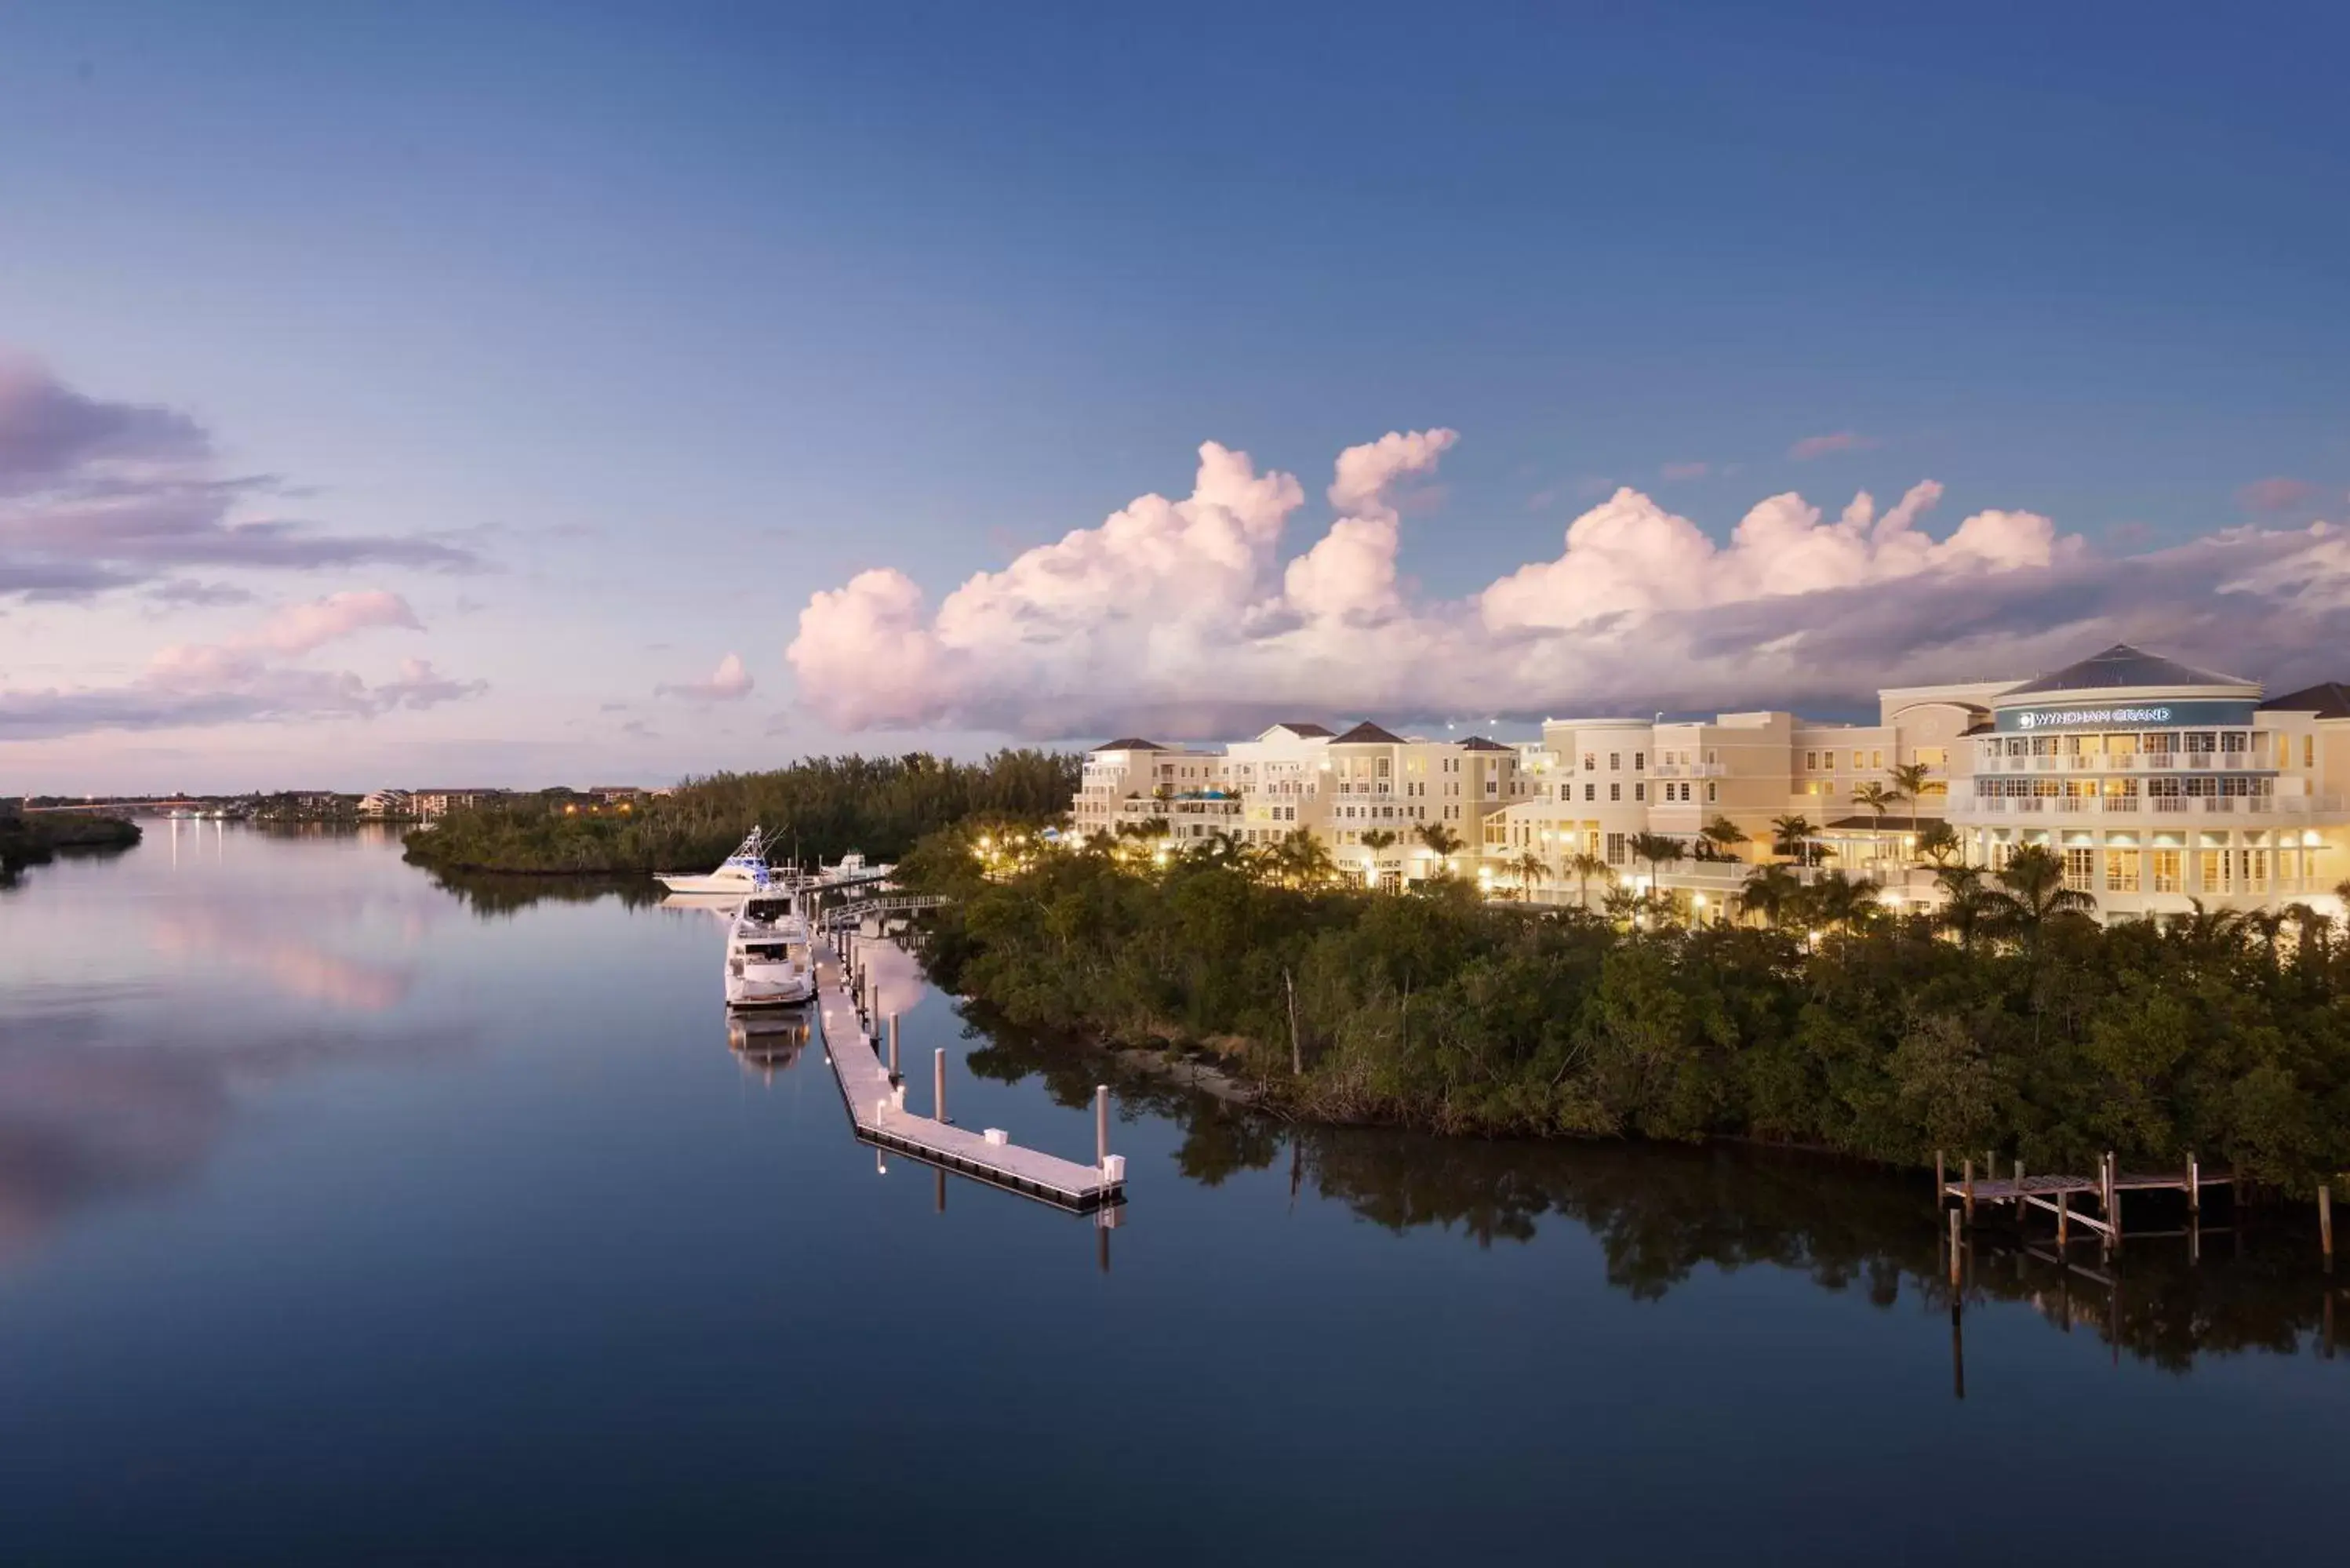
[{"x": 2123, "y": 665}]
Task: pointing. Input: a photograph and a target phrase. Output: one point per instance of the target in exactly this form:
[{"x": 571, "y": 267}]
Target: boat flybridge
[
  {"x": 743, "y": 873},
  {"x": 769, "y": 958}
]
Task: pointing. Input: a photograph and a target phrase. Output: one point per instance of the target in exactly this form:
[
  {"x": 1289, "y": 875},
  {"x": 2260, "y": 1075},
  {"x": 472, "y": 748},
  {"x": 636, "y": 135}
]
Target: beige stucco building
[{"x": 2155, "y": 783}]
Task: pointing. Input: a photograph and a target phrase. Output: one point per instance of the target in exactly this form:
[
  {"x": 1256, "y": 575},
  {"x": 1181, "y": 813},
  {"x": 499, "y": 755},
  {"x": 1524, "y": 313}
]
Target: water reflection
[
  {"x": 1662, "y": 1214},
  {"x": 90, "y": 1116},
  {"x": 769, "y": 1041},
  {"x": 495, "y": 895}
]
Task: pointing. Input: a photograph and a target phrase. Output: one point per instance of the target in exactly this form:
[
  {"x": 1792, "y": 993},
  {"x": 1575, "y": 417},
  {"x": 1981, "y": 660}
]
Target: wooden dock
[
  {"x": 876, "y": 1100},
  {"x": 2056, "y": 1195}
]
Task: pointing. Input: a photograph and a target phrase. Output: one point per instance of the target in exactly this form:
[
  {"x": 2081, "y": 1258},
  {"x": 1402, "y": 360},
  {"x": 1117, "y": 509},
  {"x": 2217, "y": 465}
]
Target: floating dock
[{"x": 875, "y": 1099}]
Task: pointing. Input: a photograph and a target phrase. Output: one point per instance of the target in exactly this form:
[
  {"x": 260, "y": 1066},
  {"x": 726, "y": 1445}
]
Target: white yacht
[
  {"x": 743, "y": 873},
  {"x": 770, "y": 960}
]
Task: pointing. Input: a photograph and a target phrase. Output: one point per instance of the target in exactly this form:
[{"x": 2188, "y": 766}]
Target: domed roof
[{"x": 2122, "y": 667}]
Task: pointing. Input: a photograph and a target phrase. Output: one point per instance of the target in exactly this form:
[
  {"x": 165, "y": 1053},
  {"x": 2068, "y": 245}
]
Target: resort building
[
  {"x": 2155, "y": 783},
  {"x": 2158, "y": 784}
]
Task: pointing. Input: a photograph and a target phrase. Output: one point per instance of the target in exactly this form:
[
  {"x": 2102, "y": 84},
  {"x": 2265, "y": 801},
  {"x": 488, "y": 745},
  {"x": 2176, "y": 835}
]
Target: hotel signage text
[{"x": 2125, "y": 716}]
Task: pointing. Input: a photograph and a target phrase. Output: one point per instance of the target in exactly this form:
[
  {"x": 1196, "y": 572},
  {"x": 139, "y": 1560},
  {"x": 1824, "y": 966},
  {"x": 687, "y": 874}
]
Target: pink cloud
[
  {"x": 244, "y": 678},
  {"x": 1189, "y": 616},
  {"x": 729, "y": 682},
  {"x": 1674, "y": 471},
  {"x": 1811, "y": 446},
  {"x": 2275, "y": 494}
]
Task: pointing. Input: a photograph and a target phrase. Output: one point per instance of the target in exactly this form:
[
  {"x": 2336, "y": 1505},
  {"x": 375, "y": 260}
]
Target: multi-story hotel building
[{"x": 2157, "y": 784}]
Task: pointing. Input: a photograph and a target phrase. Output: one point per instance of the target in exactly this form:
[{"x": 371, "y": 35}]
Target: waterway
[{"x": 350, "y": 1216}]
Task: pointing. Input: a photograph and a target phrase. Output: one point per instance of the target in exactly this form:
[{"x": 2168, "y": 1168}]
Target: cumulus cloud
[
  {"x": 1811, "y": 446},
  {"x": 729, "y": 682},
  {"x": 1187, "y": 615},
  {"x": 97, "y": 494},
  {"x": 244, "y": 678},
  {"x": 2275, "y": 494}
]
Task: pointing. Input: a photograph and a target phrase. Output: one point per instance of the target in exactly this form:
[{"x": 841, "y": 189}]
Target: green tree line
[
  {"x": 2018, "y": 1024},
  {"x": 821, "y": 807}
]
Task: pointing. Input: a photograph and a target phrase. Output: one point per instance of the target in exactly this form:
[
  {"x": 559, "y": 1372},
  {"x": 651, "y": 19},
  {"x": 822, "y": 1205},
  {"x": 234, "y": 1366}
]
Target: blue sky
[{"x": 666, "y": 318}]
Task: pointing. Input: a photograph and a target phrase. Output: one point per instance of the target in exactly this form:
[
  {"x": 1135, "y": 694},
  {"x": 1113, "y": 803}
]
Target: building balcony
[{"x": 2056, "y": 807}]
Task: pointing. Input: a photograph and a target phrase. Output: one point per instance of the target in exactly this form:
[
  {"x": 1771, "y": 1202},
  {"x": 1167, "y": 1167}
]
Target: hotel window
[
  {"x": 1877, "y": 759},
  {"x": 2162, "y": 866},
  {"x": 1590, "y": 792},
  {"x": 1812, "y": 761},
  {"x": 2232, "y": 741},
  {"x": 2121, "y": 871},
  {"x": 2080, "y": 869},
  {"x": 1639, "y": 761},
  {"x": 1641, "y": 792},
  {"x": 1591, "y": 762},
  {"x": 1615, "y": 762},
  {"x": 1615, "y": 849},
  {"x": 1711, "y": 757},
  {"x": 1615, "y": 792},
  {"x": 1713, "y": 792},
  {"x": 1857, "y": 762},
  {"x": 2309, "y": 750},
  {"x": 2200, "y": 742},
  {"x": 1932, "y": 756}
]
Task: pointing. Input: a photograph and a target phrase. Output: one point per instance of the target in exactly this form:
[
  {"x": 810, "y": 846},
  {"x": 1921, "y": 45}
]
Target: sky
[{"x": 455, "y": 394}]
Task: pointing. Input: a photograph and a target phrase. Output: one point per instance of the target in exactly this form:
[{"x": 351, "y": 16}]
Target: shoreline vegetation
[
  {"x": 36, "y": 840},
  {"x": 2011, "y": 1022},
  {"x": 814, "y": 810}
]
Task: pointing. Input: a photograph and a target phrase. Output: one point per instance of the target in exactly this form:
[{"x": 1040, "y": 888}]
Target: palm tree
[
  {"x": 1791, "y": 836},
  {"x": 1967, "y": 904},
  {"x": 1840, "y": 902},
  {"x": 2033, "y": 893},
  {"x": 1877, "y": 799},
  {"x": 2209, "y": 933},
  {"x": 1528, "y": 868},
  {"x": 1769, "y": 890},
  {"x": 1441, "y": 840},
  {"x": 1658, "y": 850},
  {"x": 2311, "y": 928},
  {"x": 1374, "y": 839},
  {"x": 1909, "y": 779},
  {"x": 1582, "y": 866},
  {"x": 1724, "y": 835},
  {"x": 1938, "y": 841},
  {"x": 1301, "y": 861}
]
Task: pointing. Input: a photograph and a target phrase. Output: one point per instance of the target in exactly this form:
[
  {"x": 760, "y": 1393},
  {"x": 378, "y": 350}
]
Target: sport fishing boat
[
  {"x": 770, "y": 962},
  {"x": 743, "y": 873}
]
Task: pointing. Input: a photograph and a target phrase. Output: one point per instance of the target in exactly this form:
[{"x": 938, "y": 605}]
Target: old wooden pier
[{"x": 2058, "y": 1195}]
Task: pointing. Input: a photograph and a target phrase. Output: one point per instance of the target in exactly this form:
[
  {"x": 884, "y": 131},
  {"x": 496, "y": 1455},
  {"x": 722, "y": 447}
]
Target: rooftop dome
[{"x": 2122, "y": 667}]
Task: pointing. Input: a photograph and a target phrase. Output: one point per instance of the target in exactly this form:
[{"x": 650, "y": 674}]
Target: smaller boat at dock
[
  {"x": 769, "y": 958},
  {"x": 743, "y": 873}
]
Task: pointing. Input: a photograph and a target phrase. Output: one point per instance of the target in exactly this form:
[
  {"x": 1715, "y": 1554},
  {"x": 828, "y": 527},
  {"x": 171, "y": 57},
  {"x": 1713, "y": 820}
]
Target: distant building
[
  {"x": 2155, "y": 785},
  {"x": 381, "y": 804},
  {"x": 434, "y": 802}
]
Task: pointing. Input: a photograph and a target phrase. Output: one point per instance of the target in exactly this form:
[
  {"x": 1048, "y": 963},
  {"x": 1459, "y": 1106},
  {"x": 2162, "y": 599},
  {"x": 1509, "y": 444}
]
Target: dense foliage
[
  {"x": 819, "y": 808},
  {"x": 32, "y": 840},
  {"x": 2028, "y": 1028}
]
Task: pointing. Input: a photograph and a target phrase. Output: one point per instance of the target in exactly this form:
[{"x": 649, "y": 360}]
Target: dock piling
[
  {"x": 1101, "y": 1124},
  {"x": 2021, "y": 1207},
  {"x": 1954, "y": 1258},
  {"x": 2194, "y": 1184},
  {"x": 1941, "y": 1181},
  {"x": 2325, "y": 1223},
  {"x": 939, "y": 1086},
  {"x": 893, "y": 1047},
  {"x": 1969, "y": 1170}
]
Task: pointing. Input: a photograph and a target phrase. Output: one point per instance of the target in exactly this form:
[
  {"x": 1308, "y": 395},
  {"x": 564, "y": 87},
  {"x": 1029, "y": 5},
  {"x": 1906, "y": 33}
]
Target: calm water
[{"x": 346, "y": 1217}]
